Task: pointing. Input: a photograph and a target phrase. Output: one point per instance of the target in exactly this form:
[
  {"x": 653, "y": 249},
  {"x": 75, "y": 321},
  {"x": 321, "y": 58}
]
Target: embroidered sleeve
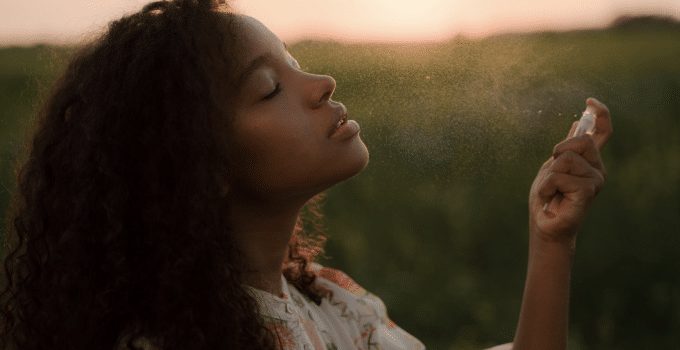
[{"x": 365, "y": 312}]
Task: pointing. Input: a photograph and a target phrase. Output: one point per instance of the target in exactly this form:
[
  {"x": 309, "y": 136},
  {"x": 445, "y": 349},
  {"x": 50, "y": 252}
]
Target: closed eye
[{"x": 276, "y": 91}]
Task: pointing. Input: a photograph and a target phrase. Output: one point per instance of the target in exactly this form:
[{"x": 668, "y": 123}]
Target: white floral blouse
[{"x": 350, "y": 318}]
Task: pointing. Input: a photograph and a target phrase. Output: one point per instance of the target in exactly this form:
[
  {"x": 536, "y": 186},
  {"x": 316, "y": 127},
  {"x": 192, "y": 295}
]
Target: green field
[{"x": 437, "y": 223}]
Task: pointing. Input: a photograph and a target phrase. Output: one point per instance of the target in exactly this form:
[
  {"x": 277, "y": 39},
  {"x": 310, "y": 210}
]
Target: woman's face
[{"x": 283, "y": 118}]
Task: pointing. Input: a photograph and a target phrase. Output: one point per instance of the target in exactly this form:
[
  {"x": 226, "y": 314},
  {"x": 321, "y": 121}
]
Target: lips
[{"x": 340, "y": 114}]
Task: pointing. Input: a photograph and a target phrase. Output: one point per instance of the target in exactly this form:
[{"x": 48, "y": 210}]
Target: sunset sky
[{"x": 64, "y": 21}]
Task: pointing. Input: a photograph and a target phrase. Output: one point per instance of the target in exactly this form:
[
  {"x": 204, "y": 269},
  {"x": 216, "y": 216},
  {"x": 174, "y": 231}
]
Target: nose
[{"x": 323, "y": 88}]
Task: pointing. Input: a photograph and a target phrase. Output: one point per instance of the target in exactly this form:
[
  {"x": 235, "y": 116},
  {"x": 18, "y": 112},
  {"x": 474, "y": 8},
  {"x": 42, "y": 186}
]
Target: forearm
[
  {"x": 576, "y": 173},
  {"x": 544, "y": 316}
]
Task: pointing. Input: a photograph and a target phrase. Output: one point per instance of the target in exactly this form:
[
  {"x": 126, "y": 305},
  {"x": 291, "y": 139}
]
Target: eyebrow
[{"x": 255, "y": 64}]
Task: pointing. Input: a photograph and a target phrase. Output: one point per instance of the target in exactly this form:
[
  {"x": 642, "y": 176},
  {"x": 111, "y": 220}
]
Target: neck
[{"x": 262, "y": 232}]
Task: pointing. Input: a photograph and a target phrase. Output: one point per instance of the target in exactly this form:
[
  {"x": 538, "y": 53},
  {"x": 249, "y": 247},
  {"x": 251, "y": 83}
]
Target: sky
[{"x": 70, "y": 21}]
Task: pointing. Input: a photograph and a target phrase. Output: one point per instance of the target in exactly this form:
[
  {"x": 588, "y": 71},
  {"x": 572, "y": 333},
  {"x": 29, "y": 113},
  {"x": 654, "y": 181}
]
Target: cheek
[
  {"x": 276, "y": 142},
  {"x": 278, "y": 157}
]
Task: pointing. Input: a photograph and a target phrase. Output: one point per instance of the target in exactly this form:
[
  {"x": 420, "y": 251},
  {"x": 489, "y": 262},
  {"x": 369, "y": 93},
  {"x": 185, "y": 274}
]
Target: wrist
[
  {"x": 543, "y": 247},
  {"x": 551, "y": 252},
  {"x": 542, "y": 241}
]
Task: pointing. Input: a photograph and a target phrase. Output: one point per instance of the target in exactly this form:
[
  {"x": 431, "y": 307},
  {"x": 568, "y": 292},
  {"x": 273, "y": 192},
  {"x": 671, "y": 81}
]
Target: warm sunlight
[
  {"x": 433, "y": 20},
  {"x": 357, "y": 20},
  {"x": 375, "y": 20},
  {"x": 402, "y": 174}
]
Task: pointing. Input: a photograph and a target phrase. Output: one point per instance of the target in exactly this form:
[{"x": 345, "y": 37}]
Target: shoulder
[
  {"x": 337, "y": 279},
  {"x": 348, "y": 293},
  {"x": 350, "y": 297},
  {"x": 358, "y": 309}
]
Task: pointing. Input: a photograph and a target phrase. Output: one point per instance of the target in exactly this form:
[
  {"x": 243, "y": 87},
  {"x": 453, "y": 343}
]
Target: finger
[
  {"x": 571, "y": 131},
  {"x": 547, "y": 163},
  {"x": 574, "y": 164},
  {"x": 542, "y": 172},
  {"x": 567, "y": 184},
  {"x": 583, "y": 145},
  {"x": 553, "y": 202},
  {"x": 603, "y": 122}
]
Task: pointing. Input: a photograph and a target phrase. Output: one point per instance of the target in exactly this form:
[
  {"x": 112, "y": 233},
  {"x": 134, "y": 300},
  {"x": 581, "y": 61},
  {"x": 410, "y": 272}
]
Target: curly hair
[{"x": 117, "y": 229}]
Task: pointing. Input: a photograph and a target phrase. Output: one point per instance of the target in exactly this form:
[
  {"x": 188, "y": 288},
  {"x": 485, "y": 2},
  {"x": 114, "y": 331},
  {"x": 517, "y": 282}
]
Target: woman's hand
[{"x": 569, "y": 181}]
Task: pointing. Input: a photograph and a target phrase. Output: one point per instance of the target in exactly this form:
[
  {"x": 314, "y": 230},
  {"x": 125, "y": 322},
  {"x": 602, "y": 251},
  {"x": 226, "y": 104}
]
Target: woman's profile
[{"x": 170, "y": 196}]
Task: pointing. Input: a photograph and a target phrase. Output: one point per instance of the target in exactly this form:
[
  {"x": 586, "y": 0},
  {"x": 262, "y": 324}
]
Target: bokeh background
[{"x": 457, "y": 128}]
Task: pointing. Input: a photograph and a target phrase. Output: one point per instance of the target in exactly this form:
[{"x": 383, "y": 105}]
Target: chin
[{"x": 360, "y": 159}]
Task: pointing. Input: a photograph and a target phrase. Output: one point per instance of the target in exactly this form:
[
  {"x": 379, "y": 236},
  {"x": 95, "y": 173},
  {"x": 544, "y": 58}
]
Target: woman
[{"x": 162, "y": 201}]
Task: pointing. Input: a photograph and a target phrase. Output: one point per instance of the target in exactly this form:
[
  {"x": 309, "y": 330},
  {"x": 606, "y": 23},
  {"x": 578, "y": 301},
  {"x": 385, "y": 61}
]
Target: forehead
[
  {"x": 246, "y": 39},
  {"x": 256, "y": 37}
]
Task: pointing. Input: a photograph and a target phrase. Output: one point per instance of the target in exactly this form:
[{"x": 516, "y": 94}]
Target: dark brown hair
[{"x": 116, "y": 227}]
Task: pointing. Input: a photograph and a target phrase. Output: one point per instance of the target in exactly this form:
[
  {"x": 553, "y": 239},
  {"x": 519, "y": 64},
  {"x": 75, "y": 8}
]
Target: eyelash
[{"x": 274, "y": 93}]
